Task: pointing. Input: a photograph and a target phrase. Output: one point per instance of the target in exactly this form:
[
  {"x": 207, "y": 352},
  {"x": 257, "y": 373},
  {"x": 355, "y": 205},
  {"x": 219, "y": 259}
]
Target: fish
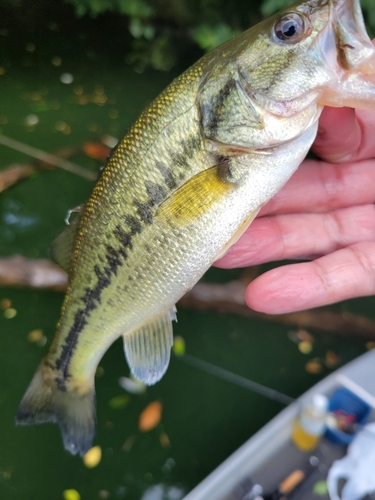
[{"x": 181, "y": 187}]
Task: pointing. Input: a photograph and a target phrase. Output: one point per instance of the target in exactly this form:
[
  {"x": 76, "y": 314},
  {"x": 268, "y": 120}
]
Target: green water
[{"x": 204, "y": 417}]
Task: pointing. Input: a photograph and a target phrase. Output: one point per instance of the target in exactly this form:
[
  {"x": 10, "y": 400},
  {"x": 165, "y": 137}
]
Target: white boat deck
[{"x": 261, "y": 456}]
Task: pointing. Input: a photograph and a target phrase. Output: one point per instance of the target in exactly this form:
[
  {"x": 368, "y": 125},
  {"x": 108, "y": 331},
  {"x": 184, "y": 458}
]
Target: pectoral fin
[
  {"x": 148, "y": 349},
  {"x": 196, "y": 196},
  {"x": 62, "y": 246}
]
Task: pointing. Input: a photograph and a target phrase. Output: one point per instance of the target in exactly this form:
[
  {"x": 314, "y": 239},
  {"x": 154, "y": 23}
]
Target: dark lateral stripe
[
  {"x": 70, "y": 344},
  {"x": 91, "y": 299},
  {"x": 133, "y": 223},
  {"x": 124, "y": 238},
  {"x": 156, "y": 193},
  {"x": 144, "y": 212},
  {"x": 114, "y": 259},
  {"x": 191, "y": 145},
  {"x": 186, "y": 151},
  {"x": 167, "y": 174}
]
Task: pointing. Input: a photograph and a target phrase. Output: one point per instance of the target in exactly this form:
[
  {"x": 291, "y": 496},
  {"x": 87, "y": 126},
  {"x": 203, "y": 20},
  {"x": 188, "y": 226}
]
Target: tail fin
[{"x": 46, "y": 401}]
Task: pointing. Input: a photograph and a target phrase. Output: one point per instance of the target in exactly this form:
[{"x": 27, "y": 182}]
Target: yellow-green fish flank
[{"x": 182, "y": 185}]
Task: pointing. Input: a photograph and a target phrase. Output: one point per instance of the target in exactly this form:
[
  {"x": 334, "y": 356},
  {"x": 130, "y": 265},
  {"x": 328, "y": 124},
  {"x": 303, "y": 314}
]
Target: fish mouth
[
  {"x": 354, "y": 47},
  {"x": 350, "y": 55}
]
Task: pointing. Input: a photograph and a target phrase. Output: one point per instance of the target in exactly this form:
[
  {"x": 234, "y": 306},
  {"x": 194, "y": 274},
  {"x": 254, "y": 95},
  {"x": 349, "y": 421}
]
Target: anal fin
[{"x": 148, "y": 349}]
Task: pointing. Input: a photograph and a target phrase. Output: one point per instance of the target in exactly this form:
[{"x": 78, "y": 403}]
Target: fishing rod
[{"x": 238, "y": 380}]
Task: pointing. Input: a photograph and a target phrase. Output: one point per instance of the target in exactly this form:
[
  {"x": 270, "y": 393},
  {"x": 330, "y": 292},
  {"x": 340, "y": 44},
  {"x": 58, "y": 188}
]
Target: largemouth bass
[{"x": 182, "y": 185}]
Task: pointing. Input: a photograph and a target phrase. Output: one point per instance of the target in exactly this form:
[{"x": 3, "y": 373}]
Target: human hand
[{"x": 325, "y": 212}]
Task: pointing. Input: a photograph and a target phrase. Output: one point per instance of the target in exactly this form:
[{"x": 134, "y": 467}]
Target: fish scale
[{"x": 183, "y": 184}]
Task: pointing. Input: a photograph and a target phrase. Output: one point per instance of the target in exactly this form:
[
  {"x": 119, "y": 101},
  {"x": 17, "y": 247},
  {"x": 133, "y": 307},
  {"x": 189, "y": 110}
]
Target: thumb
[{"x": 339, "y": 135}]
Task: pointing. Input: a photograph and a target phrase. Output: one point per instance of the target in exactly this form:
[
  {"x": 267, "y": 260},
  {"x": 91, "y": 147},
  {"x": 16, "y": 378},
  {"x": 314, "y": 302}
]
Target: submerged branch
[
  {"x": 223, "y": 298},
  {"x": 13, "y": 174},
  {"x": 34, "y": 273}
]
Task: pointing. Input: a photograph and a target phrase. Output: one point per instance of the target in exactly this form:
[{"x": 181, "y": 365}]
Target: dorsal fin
[
  {"x": 62, "y": 246},
  {"x": 148, "y": 349}
]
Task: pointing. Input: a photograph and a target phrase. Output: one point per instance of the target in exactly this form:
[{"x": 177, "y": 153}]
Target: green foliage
[
  {"x": 208, "y": 37},
  {"x": 269, "y": 7},
  {"x": 163, "y": 30},
  {"x": 132, "y": 8},
  {"x": 159, "y": 26},
  {"x": 157, "y": 52},
  {"x": 369, "y": 12}
]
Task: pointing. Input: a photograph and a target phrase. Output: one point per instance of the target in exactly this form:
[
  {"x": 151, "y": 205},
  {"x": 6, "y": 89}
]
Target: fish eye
[{"x": 290, "y": 28}]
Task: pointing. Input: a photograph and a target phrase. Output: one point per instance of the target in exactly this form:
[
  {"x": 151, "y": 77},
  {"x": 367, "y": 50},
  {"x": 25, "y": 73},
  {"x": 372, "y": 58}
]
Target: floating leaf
[
  {"x": 305, "y": 347},
  {"x": 31, "y": 120},
  {"x": 10, "y": 313},
  {"x": 150, "y": 417},
  {"x": 63, "y": 127},
  {"x": 71, "y": 495},
  {"x": 109, "y": 141},
  {"x": 179, "y": 346},
  {"x": 314, "y": 366},
  {"x": 320, "y": 488},
  {"x": 332, "y": 359},
  {"x": 56, "y": 61},
  {"x": 164, "y": 440},
  {"x": 30, "y": 47},
  {"x": 66, "y": 78},
  {"x": 132, "y": 385},
  {"x": 113, "y": 113},
  {"x": 92, "y": 457},
  {"x": 305, "y": 336},
  {"x": 119, "y": 402},
  {"x": 35, "y": 335},
  {"x": 128, "y": 445},
  {"x": 5, "y": 303}
]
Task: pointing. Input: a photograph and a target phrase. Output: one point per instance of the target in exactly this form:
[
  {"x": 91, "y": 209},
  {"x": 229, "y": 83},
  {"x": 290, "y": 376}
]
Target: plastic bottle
[{"x": 310, "y": 423}]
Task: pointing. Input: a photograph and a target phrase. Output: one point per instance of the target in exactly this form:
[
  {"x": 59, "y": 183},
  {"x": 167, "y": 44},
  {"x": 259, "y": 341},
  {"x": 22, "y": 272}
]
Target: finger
[
  {"x": 319, "y": 187},
  {"x": 344, "y": 274},
  {"x": 293, "y": 236},
  {"x": 345, "y": 134},
  {"x": 339, "y": 135}
]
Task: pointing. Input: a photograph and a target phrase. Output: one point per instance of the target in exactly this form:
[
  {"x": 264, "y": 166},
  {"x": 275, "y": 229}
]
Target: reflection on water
[
  {"x": 21, "y": 221},
  {"x": 15, "y": 220}
]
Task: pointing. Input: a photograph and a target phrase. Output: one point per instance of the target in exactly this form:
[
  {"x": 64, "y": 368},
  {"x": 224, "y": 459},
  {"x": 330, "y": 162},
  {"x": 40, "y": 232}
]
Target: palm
[{"x": 325, "y": 212}]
